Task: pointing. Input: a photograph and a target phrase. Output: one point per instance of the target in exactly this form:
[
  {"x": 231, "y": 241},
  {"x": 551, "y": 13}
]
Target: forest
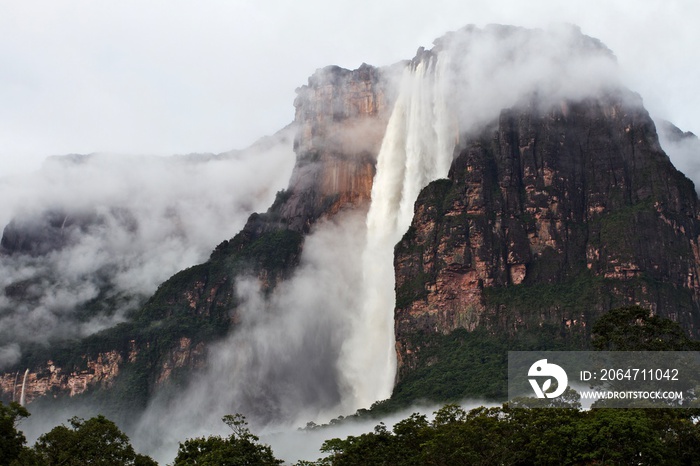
[{"x": 520, "y": 432}]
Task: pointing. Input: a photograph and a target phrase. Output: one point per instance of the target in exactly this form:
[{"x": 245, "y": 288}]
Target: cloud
[
  {"x": 9, "y": 354},
  {"x": 682, "y": 149},
  {"x": 501, "y": 66},
  {"x": 280, "y": 366},
  {"x": 121, "y": 225},
  {"x": 294, "y": 444},
  {"x": 166, "y": 78}
]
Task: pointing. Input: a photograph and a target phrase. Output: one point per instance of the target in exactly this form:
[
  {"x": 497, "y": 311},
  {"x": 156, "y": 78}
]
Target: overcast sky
[{"x": 176, "y": 76}]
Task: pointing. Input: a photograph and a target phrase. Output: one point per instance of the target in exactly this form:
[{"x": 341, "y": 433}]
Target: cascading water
[
  {"x": 24, "y": 384},
  {"x": 459, "y": 87},
  {"x": 417, "y": 148}
]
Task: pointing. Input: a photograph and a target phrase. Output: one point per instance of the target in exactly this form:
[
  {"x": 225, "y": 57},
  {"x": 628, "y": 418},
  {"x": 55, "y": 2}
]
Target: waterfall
[
  {"x": 24, "y": 384},
  {"x": 417, "y": 148},
  {"x": 14, "y": 386}
]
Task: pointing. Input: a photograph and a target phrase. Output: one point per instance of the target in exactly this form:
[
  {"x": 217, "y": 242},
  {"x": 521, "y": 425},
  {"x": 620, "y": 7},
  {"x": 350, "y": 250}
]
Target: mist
[
  {"x": 293, "y": 445},
  {"x": 280, "y": 366},
  {"x": 682, "y": 148},
  {"x": 88, "y": 238}
]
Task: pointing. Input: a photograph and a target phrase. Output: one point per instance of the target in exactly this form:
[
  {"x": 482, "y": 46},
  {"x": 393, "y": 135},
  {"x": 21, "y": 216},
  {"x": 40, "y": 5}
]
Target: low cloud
[
  {"x": 304, "y": 444},
  {"x": 280, "y": 366},
  {"x": 682, "y": 148},
  {"x": 501, "y": 66},
  {"x": 9, "y": 354},
  {"x": 89, "y": 237}
]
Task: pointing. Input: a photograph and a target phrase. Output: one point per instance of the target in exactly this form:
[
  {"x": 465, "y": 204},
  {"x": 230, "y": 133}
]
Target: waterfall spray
[
  {"x": 417, "y": 149},
  {"x": 24, "y": 383}
]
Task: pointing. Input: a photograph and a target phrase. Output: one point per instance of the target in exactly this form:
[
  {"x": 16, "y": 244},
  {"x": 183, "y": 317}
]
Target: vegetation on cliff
[{"x": 474, "y": 365}]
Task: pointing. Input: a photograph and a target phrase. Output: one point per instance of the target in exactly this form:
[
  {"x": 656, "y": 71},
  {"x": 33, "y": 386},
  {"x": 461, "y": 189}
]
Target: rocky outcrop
[
  {"x": 182, "y": 356},
  {"x": 53, "y": 380},
  {"x": 683, "y": 147},
  {"x": 341, "y": 116},
  {"x": 551, "y": 218},
  {"x": 99, "y": 371},
  {"x": 674, "y": 133}
]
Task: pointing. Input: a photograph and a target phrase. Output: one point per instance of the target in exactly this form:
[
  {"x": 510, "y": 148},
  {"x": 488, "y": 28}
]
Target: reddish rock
[{"x": 560, "y": 201}]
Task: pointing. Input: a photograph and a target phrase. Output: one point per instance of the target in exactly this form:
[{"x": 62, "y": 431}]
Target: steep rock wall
[
  {"x": 340, "y": 120},
  {"x": 341, "y": 117},
  {"x": 550, "y": 218}
]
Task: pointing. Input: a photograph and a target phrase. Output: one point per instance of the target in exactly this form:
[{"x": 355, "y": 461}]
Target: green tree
[
  {"x": 97, "y": 441},
  {"x": 372, "y": 448},
  {"x": 240, "y": 448},
  {"x": 470, "y": 438},
  {"x": 11, "y": 440},
  {"x": 634, "y": 328},
  {"x": 619, "y": 436},
  {"x": 540, "y": 435}
]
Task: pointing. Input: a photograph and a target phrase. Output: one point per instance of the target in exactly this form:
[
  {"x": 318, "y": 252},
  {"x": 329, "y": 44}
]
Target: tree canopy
[
  {"x": 511, "y": 435},
  {"x": 97, "y": 441},
  {"x": 634, "y": 328},
  {"x": 239, "y": 449},
  {"x": 11, "y": 440}
]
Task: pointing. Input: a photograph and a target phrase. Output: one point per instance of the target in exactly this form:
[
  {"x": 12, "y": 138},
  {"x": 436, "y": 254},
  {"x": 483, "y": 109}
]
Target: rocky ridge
[
  {"x": 168, "y": 336},
  {"x": 550, "y": 218}
]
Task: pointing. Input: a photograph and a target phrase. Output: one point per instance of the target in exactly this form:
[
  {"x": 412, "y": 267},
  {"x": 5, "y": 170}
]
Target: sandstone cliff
[
  {"x": 550, "y": 218},
  {"x": 168, "y": 335},
  {"x": 341, "y": 117}
]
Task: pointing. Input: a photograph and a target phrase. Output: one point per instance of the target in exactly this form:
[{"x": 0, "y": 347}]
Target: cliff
[
  {"x": 167, "y": 337},
  {"x": 341, "y": 117},
  {"x": 548, "y": 219},
  {"x": 555, "y": 210}
]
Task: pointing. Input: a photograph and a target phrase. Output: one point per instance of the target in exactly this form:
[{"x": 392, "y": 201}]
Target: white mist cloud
[
  {"x": 172, "y": 77},
  {"x": 684, "y": 151},
  {"x": 280, "y": 365},
  {"x": 127, "y": 223},
  {"x": 498, "y": 67},
  {"x": 294, "y": 445},
  {"x": 9, "y": 354}
]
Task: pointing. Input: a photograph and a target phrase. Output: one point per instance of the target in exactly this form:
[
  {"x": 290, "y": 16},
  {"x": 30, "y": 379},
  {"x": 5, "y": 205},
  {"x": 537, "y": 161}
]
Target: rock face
[
  {"x": 551, "y": 218},
  {"x": 341, "y": 117},
  {"x": 98, "y": 371},
  {"x": 53, "y": 379},
  {"x": 682, "y": 147},
  {"x": 169, "y": 334}
]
